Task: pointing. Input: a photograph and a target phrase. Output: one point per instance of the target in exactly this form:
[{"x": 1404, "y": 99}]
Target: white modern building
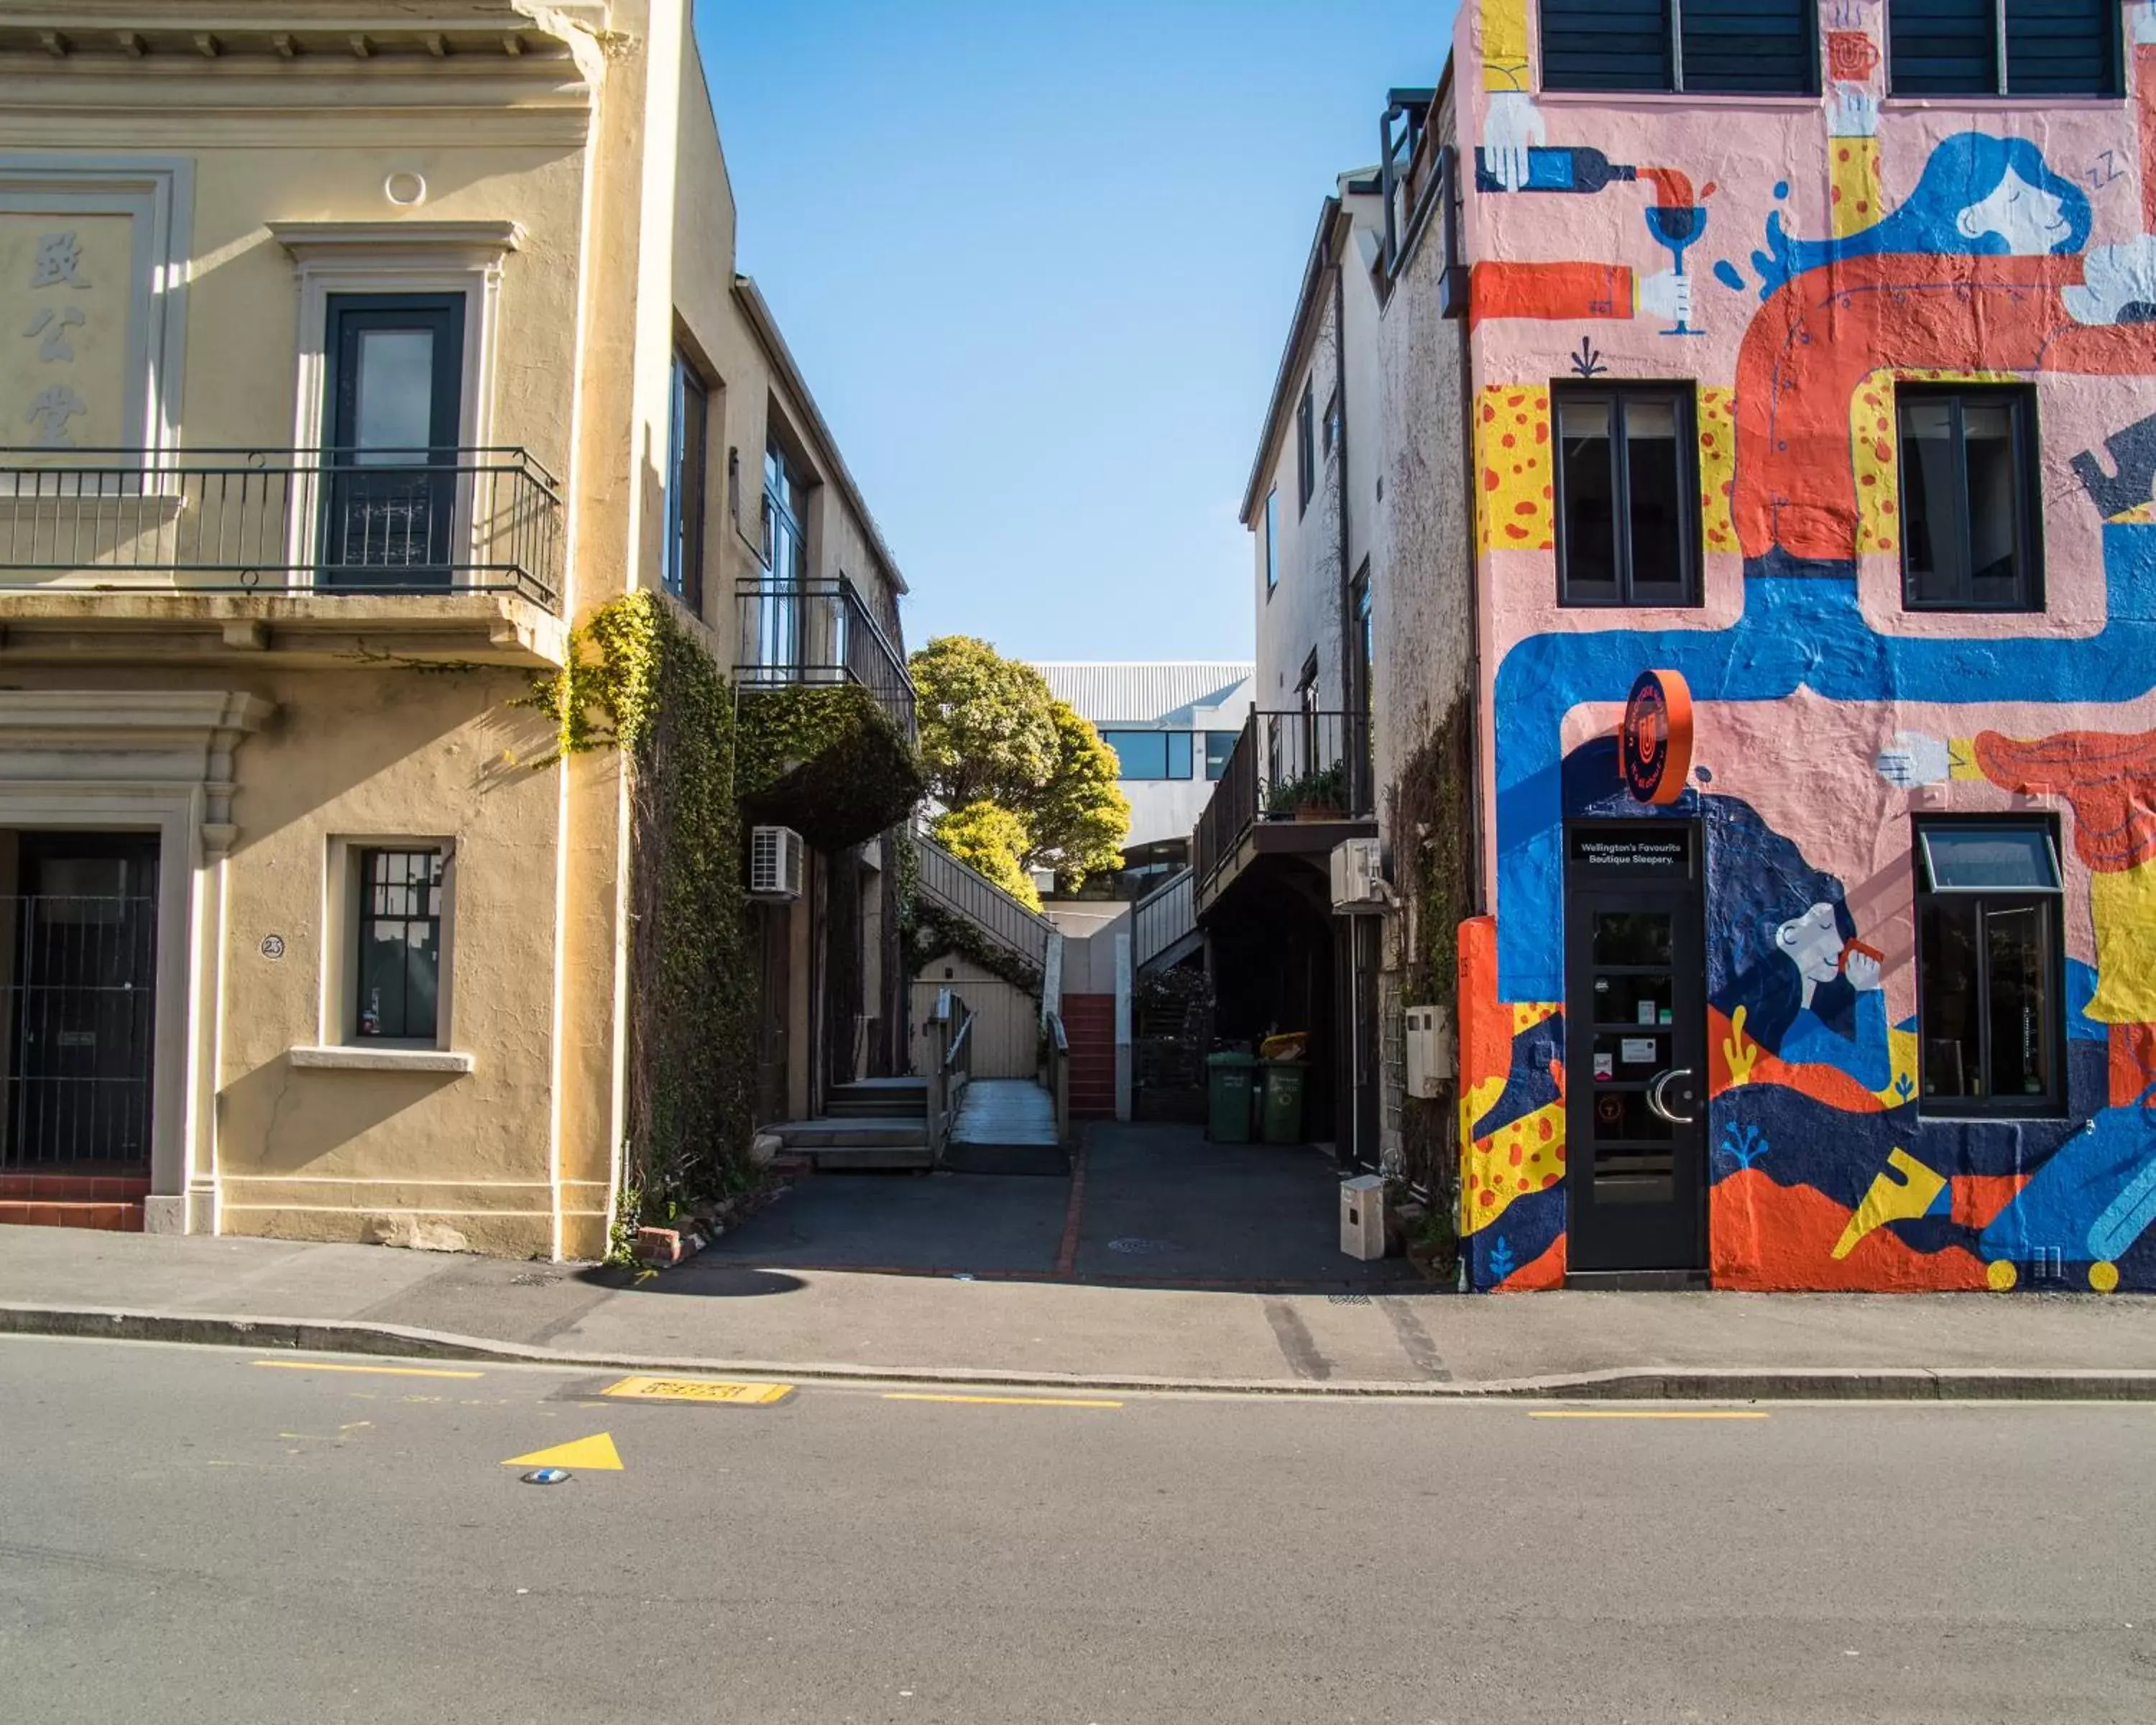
[{"x": 1172, "y": 726}]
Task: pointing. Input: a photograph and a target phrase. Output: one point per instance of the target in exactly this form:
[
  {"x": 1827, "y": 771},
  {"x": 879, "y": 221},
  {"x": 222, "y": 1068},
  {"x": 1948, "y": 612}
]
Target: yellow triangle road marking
[{"x": 596, "y": 1453}]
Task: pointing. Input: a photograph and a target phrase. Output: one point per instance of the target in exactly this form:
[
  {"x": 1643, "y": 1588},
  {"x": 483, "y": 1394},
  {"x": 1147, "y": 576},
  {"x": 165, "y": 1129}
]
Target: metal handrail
[
  {"x": 951, "y": 1069},
  {"x": 792, "y": 632},
  {"x": 1059, "y": 1075},
  {"x": 1163, "y": 917},
  {"x": 269, "y": 521},
  {"x": 1284, "y": 761},
  {"x": 967, "y": 892}
]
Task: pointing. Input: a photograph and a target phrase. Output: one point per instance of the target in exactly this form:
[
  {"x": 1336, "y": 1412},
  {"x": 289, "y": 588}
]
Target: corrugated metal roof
[{"x": 1147, "y": 693}]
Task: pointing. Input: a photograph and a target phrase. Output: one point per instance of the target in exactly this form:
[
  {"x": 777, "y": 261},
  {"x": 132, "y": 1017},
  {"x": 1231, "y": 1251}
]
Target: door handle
[{"x": 1659, "y": 1102}]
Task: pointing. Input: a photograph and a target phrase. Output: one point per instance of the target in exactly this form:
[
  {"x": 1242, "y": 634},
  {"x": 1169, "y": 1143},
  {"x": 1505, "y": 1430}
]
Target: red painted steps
[
  {"x": 1089, "y": 1025},
  {"x": 111, "y": 1203}
]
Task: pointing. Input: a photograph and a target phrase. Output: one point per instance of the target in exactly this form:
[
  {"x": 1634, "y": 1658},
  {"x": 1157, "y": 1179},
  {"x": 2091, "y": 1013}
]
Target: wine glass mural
[{"x": 1676, "y": 219}]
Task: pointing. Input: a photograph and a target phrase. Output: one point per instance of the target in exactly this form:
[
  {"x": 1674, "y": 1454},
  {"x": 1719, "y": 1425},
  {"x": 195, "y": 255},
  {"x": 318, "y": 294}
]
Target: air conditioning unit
[
  {"x": 774, "y": 862},
  {"x": 1359, "y": 878},
  {"x": 1427, "y": 1035}
]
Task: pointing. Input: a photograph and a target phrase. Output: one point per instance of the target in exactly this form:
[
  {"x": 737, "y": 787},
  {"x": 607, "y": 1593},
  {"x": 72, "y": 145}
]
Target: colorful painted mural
[{"x": 1795, "y": 264}]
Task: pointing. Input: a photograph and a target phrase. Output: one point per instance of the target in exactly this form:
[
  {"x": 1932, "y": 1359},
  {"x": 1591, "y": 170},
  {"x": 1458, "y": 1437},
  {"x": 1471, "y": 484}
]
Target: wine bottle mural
[{"x": 1576, "y": 168}]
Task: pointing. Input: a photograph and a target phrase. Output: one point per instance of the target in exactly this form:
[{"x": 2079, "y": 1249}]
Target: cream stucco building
[{"x": 349, "y": 353}]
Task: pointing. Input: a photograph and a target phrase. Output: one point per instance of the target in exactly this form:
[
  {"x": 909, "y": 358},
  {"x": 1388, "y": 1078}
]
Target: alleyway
[{"x": 1153, "y": 1204}]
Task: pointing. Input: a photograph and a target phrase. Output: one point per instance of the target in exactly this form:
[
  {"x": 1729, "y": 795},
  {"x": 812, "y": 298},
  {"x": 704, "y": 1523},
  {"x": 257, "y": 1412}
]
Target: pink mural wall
[{"x": 1793, "y": 261}]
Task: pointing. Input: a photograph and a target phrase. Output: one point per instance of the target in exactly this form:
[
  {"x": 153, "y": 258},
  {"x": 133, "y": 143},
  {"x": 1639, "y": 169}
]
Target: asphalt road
[{"x": 192, "y": 1534}]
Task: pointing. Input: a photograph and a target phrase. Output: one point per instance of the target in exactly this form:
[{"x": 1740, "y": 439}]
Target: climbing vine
[
  {"x": 827, "y": 761},
  {"x": 637, "y": 683},
  {"x": 1433, "y": 829},
  {"x": 931, "y": 932}
]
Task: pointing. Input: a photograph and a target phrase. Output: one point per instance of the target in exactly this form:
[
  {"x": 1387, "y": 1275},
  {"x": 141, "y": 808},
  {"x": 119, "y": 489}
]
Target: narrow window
[
  {"x": 1272, "y": 540},
  {"x": 1332, "y": 422},
  {"x": 400, "y": 943},
  {"x": 1969, "y": 500},
  {"x": 1146, "y": 754},
  {"x": 1218, "y": 746},
  {"x": 1306, "y": 456},
  {"x": 1626, "y": 526},
  {"x": 1989, "y": 964},
  {"x": 1178, "y": 754},
  {"x": 782, "y": 600},
  {"x": 685, "y": 492},
  {"x": 2002, "y": 48},
  {"x": 1708, "y": 47}
]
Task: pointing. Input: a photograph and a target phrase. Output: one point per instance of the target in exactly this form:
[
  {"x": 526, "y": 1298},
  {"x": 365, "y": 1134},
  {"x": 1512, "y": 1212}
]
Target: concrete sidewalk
[{"x": 743, "y": 1317}]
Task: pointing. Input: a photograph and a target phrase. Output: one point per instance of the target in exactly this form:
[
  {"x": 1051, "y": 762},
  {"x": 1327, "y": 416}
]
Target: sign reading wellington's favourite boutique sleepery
[{"x": 1630, "y": 848}]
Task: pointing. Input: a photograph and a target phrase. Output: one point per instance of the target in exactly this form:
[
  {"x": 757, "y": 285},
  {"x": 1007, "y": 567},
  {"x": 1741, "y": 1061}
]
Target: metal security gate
[{"x": 77, "y": 1022}]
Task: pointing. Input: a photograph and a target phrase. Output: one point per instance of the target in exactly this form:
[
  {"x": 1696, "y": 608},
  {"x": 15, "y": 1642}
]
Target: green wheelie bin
[
  {"x": 1283, "y": 1101},
  {"x": 1229, "y": 1081}
]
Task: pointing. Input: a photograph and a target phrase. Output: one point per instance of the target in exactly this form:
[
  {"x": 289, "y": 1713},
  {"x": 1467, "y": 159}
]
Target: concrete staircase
[{"x": 874, "y": 1123}]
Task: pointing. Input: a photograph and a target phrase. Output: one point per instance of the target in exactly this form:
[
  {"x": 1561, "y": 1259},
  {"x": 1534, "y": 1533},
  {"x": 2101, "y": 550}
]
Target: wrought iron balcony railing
[
  {"x": 790, "y": 632},
  {"x": 349, "y": 521},
  {"x": 1296, "y": 765}
]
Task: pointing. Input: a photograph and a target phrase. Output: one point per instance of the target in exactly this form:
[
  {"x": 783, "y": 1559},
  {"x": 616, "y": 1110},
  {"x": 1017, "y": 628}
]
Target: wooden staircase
[{"x": 872, "y": 1123}]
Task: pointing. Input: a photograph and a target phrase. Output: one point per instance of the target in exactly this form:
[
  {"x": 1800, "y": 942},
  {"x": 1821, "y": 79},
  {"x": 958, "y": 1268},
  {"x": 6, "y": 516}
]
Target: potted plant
[{"x": 1324, "y": 793}]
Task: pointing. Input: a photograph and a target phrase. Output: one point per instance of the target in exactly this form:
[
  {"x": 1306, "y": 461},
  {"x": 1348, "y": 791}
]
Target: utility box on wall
[{"x": 1429, "y": 1052}]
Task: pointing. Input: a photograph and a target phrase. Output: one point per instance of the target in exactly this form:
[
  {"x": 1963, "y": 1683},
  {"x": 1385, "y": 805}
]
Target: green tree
[
  {"x": 986, "y": 727},
  {"x": 991, "y": 733},
  {"x": 1078, "y": 819},
  {"x": 989, "y": 839}
]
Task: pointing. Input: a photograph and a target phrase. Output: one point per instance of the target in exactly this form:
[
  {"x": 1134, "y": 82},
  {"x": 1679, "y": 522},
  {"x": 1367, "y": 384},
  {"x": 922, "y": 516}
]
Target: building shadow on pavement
[{"x": 1149, "y": 1204}]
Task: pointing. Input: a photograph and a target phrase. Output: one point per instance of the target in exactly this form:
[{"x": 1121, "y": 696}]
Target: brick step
[
  {"x": 74, "y": 1188},
  {"x": 108, "y": 1218}
]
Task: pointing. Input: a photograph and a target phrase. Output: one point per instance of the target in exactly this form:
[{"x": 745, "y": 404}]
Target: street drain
[{"x": 1349, "y": 1299}]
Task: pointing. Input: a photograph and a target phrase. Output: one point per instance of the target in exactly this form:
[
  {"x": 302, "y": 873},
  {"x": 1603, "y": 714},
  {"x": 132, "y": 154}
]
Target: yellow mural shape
[
  {"x": 1872, "y": 443},
  {"x": 1511, "y": 1162},
  {"x": 1890, "y": 1199},
  {"x": 2122, "y": 903},
  {"x": 1853, "y": 183},
  {"x": 1505, "y": 44},
  {"x": 1717, "y": 465},
  {"x": 1513, "y": 511}
]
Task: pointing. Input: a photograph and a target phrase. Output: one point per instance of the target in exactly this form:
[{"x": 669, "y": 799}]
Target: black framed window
[
  {"x": 393, "y": 399},
  {"x": 1150, "y": 754},
  {"x": 1272, "y": 540},
  {"x": 1969, "y": 538},
  {"x": 1991, "y": 967},
  {"x": 685, "y": 492},
  {"x": 1333, "y": 421},
  {"x": 1306, "y": 449},
  {"x": 1706, "y": 46},
  {"x": 2003, "y": 48},
  {"x": 400, "y": 943},
  {"x": 1627, "y": 485},
  {"x": 1218, "y": 746}
]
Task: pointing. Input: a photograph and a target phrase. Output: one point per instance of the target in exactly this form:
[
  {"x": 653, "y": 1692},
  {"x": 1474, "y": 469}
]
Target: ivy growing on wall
[
  {"x": 826, "y": 760},
  {"x": 636, "y": 682},
  {"x": 930, "y": 932},
  {"x": 1432, "y": 828}
]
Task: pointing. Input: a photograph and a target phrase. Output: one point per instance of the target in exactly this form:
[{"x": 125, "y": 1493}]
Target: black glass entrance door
[
  {"x": 1635, "y": 1048},
  {"x": 394, "y": 391},
  {"x": 80, "y": 1013}
]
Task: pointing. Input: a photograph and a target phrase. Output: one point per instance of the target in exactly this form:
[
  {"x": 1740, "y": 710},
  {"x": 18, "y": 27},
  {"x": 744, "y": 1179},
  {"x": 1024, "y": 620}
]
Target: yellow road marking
[
  {"x": 1641, "y": 1413},
  {"x": 595, "y": 1454},
  {"x": 1004, "y": 1401},
  {"x": 311, "y": 1365},
  {"x": 699, "y": 1390}
]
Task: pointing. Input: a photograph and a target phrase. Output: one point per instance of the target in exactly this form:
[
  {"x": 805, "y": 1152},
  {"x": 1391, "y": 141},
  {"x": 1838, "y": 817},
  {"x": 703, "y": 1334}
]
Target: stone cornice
[{"x": 468, "y": 245}]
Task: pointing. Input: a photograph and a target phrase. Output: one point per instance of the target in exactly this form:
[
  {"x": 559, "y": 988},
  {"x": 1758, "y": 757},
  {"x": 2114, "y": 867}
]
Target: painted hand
[
  {"x": 1854, "y": 112},
  {"x": 1667, "y": 295},
  {"x": 1512, "y": 125},
  {"x": 1862, "y": 971}
]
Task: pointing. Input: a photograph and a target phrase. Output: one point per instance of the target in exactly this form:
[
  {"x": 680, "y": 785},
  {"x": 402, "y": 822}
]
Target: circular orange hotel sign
[{"x": 1654, "y": 744}]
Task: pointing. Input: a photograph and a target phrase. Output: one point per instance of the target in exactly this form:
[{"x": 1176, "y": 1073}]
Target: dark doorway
[
  {"x": 80, "y": 1014},
  {"x": 394, "y": 395},
  {"x": 775, "y": 927},
  {"x": 1635, "y": 1047}
]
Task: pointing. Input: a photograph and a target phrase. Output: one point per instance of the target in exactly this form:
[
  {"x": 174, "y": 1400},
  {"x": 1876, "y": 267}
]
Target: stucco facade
[
  {"x": 185, "y": 660},
  {"x": 1819, "y": 734}
]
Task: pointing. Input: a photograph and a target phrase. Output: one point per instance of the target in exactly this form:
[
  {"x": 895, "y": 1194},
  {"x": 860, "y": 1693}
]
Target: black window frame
[
  {"x": 373, "y": 912},
  {"x": 1672, "y": 82},
  {"x": 2029, "y": 527},
  {"x": 1999, "y": 80},
  {"x": 1272, "y": 540},
  {"x": 1684, "y": 397},
  {"x": 1216, "y": 766},
  {"x": 2052, "y": 1103},
  {"x": 1305, "y": 447},
  {"x": 1171, "y": 755},
  {"x": 688, "y": 481}
]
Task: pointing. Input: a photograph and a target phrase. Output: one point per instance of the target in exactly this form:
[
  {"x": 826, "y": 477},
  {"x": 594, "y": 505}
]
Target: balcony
[
  {"x": 806, "y": 633},
  {"x": 1296, "y": 784},
  {"x": 327, "y": 554}
]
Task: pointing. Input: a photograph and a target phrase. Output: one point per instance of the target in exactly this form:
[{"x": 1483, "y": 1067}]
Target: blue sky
[{"x": 1037, "y": 259}]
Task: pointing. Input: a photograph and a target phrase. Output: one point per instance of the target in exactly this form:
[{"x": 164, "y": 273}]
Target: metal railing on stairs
[
  {"x": 953, "y": 887},
  {"x": 1163, "y": 920},
  {"x": 950, "y": 1066}
]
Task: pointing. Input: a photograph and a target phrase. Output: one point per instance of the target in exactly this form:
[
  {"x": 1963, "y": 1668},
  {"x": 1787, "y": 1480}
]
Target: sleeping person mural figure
[
  {"x": 1978, "y": 196},
  {"x": 1829, "y": 957}
]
